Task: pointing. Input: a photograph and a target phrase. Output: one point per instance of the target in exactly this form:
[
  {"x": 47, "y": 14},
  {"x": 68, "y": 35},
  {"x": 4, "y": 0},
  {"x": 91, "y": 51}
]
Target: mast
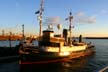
[
  {"x": 40, "y": 15},
  {"x": 70, "y": 26},
  {"x": 3, "y": 33},
  {"x": 10, "y": 39},
  {"x": 23, "y": 37}
]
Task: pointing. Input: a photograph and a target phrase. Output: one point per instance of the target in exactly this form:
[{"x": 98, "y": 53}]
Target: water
[
  {"x": 9, "y": 67},
  {"x": 6, "y": 43},
  {"x": 14, "y": 43},
  {"x": 87, "y": 64}
]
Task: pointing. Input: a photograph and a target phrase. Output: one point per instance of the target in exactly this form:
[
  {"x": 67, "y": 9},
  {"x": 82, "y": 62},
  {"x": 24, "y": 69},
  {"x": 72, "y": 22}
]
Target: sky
[{"x": 90, "y": 17}]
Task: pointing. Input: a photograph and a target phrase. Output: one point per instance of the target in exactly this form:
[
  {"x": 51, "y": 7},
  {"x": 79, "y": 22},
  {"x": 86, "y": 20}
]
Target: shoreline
[{"x": 96, "y": 37}]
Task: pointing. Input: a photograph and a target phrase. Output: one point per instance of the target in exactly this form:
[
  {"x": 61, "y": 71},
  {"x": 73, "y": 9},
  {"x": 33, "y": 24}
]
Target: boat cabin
[{"x": 48, "y": 39}]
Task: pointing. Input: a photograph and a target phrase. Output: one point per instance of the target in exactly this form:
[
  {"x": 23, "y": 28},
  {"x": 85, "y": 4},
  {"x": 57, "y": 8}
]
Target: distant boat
[{"x": 53, "y": 48}]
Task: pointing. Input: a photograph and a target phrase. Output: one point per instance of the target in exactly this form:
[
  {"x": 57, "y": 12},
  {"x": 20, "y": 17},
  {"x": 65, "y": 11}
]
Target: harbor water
[{"x": 91, "y": 63}]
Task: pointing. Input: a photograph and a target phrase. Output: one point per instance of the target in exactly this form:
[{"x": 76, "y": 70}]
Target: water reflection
[{"x": 76, "y": 65}]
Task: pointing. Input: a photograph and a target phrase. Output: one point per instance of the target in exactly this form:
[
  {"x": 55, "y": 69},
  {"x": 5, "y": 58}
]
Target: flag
[
  {"x": 66, "y": 18},
  {"x": 37, "y": 12}
]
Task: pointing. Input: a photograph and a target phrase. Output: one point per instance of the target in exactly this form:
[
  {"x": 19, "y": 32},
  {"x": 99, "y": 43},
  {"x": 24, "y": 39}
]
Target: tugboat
[{"x": 53, "y": 48}]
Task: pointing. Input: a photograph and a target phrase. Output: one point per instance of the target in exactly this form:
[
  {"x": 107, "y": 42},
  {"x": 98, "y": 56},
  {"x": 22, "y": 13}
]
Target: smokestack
[{"x": 80, "y": 38}]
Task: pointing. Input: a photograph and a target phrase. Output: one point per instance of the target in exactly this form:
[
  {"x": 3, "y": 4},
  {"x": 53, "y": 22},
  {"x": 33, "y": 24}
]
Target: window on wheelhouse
[{"x": 52, "y": 44}]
